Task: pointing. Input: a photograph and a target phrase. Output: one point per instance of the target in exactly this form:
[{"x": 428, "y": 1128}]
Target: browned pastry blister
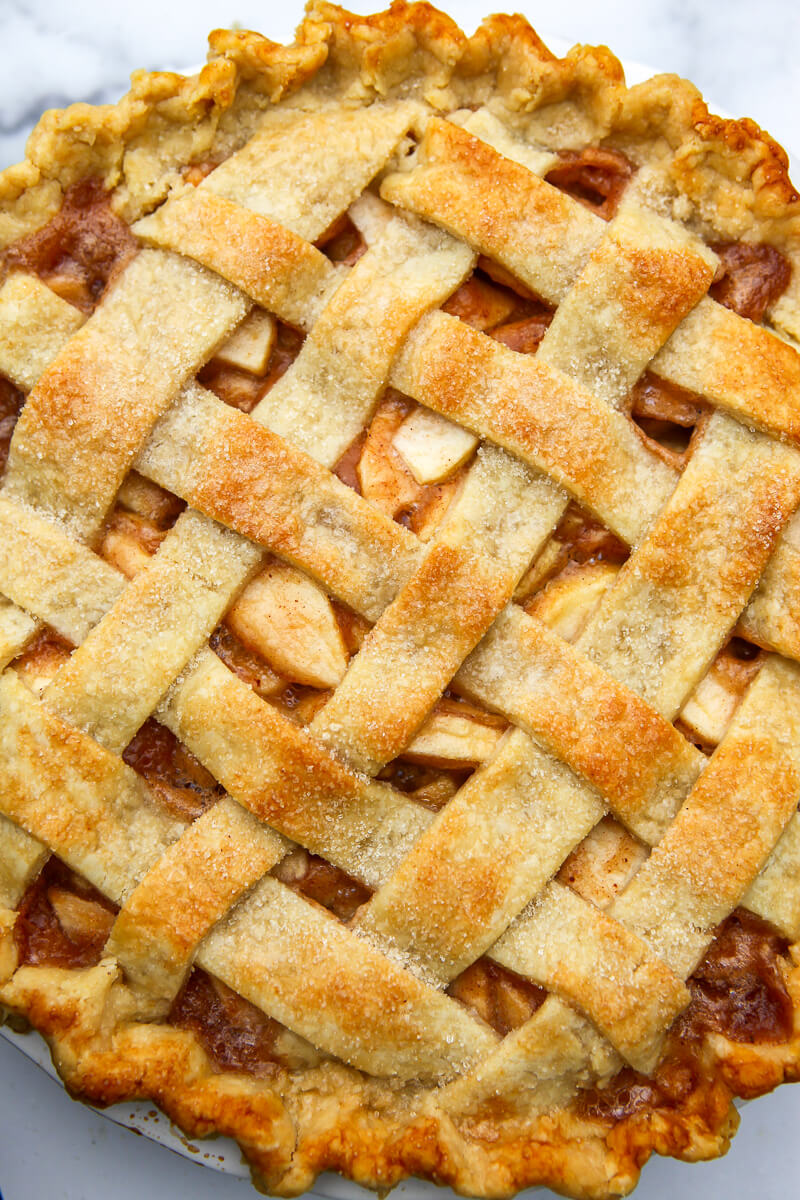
[{"x": 399, "y": 594}]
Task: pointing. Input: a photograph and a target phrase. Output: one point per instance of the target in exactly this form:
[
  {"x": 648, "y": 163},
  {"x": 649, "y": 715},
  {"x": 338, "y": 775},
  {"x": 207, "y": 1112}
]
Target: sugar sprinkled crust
[{"x": 430, "y": 1088}]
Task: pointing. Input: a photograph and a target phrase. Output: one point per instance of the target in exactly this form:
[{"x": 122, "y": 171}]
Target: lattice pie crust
[{"x": 464, "y": 637}]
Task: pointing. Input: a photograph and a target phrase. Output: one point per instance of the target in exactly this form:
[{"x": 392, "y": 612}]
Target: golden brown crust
[
  {"x": 696, "y": 167},
  {"x": 167, "y": 120}
]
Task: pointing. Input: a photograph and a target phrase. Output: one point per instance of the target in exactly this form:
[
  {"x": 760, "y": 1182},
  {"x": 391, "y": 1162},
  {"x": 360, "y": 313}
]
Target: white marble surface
[{"x": 744, "y": 55}]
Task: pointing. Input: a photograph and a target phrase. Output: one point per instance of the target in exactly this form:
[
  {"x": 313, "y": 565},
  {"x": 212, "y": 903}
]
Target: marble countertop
[{"x": 744, "y": 57}]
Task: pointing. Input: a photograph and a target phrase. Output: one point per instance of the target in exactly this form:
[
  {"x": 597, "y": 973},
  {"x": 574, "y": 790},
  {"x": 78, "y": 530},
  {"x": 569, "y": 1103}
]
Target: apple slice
[
  {"x": 129, "y": 542},
  {"x": 79, "y": 916},
  {"x": 431, "y": 446},
  {"x": 603, "y": 863},
  {"x": 567, "y": 601},
  {"x": 285, "y": 617},
  {"x": 250, "y": 345},
  {"x": 709, "y": 710},
  {"x": 455, "y": 735}
]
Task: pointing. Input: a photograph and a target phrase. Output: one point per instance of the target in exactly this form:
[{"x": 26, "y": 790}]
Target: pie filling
[{"x": 739, "y": 990}]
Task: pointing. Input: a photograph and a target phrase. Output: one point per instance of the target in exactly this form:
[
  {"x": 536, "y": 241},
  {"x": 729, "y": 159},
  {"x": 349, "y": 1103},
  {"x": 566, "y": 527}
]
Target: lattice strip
[
  {"x": 94, "y": 812},
  {"x": 772, "y": 618},
  {"x": 113, "y": 682},
  {"x": 740, "y": 366},
  {"x": 274, "y": 266},
  {"x": 183, "y": 896},
  {"x": 545, "y": 238},
  {"x": 641, "y": 281},
  {"x": 539, "y": 1066},
  {"x": 243, "y": 476},
  {"x": 583, "y": 952},
  {"x": 677, "y": 598},
  {"x": 286, "y": 778},
  {"x": 540, "y": 414},
  {"x": 22, "y": 855},
  {"x": 640, "y": 763},
  {"x": 22, "y": 859},
  {"x": 493, "y": 846},
  {"x": 36, "y": 324},
  {"x": 411, "y": 656},
  {"x": 384, "y": 1020},
  {"x": 304, "y": 169},
  {"x": 503, "y": 209},
  {"x": 112, "y": 381},
  {"x": 52, "y": 576},
  {"x": 490, "y": 533},
  {"x": 326, "y": 397},
  {"x": 66, "y": 790},
  {"x": 720, "y": 840},
  {"x": 772, "y": 895},
  {"x": 16, "y": 630},
  {"x": 701, "y": 870}
]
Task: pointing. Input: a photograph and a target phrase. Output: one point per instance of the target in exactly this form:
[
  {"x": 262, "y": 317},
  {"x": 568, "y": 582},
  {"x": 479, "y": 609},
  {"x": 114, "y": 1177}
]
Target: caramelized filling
[
  {"x": 494, "y": 301},
  {"x": 656, "y": 399},
  {"x": 352, "y": 627},
  {"x": 322, "y": 882},
  {"x": 594, "y": 176},
  {"x": 498, "y": 996},
  {"x": 386, "y": 481},
  {"x": 743, "y": 650},
  {"x": 524, "y": 335},
  {"x": 347, "y": 467},
  {"x": 63, "y": 921},
  {"x": 239, "y": 388},
  {"x": 586, "y": 540},
  {"x": 482, "y": 304},
  {"x": 342, "y": 242},
  {"x": 147, "y": 499},
  {"x": 428, "y": 786},
  {"x": 195, "y": 173},
  {"x": 718, "y": 694},
  {"x": 44, "y": 654},
  {"x": 503, "y": 276},
  {"x": 80, "y": 250},
  {"x": 11, "y": 402},
  {"x": 603, "y": 864},
  {"x": 235, "y": 1034},
  {"x": 666, "y": 416},
  {"x": 752, "y": 277},
  {"x": 738, "y": 991},
  {"x": 301, "y": 703},
  {"x": 182, "y": 783},
  {"x": 249, "y": 667}
]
